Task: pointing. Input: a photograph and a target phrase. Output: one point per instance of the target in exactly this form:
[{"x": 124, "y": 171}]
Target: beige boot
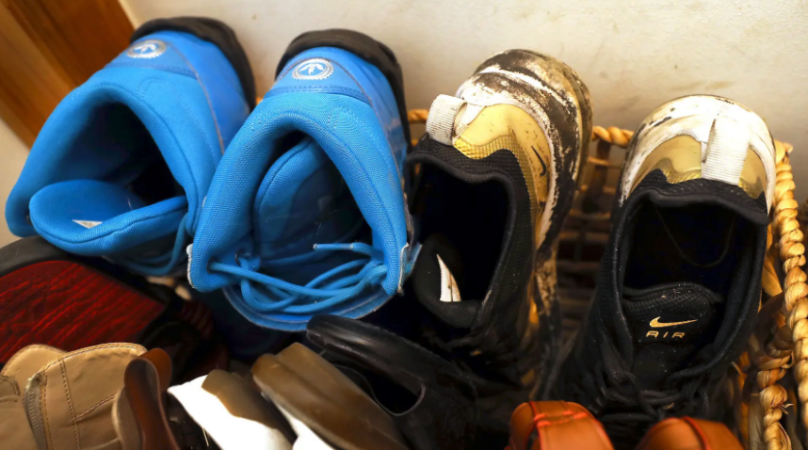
[
  {"x": 14, "y": 429},
  {"x": 68, "y": 397}
]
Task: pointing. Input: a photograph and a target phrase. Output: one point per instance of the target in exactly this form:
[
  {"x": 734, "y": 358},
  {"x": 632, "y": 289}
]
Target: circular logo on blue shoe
[
  {"x": 148, "y": 49},
  {"x": 313, "y": 69}
]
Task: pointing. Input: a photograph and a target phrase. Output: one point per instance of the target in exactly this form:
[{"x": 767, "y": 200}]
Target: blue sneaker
[
  {"x": 122, "y": 166},
  {"x": 306, "y": 213}
]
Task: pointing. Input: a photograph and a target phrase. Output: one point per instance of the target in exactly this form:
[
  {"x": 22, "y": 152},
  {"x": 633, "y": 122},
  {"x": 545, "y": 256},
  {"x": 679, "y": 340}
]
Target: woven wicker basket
[{"x": 781, "y": 339}]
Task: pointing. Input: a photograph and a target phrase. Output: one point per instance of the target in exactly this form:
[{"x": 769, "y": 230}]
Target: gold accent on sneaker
[
  {"x": 508, "y": 127},
  {"x": 655, "y": 323},
  {"x": 680, "y": 160}
]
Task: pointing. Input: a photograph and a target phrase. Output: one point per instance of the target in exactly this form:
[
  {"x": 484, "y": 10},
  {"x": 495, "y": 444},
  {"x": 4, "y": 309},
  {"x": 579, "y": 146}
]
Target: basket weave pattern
[{"x": 784, "y": 314}]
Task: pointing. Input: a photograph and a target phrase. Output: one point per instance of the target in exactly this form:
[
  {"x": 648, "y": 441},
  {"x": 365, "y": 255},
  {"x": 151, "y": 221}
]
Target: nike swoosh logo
[
  {"x": 657, "y": 324},
  {"x": 543, "y": 165}
]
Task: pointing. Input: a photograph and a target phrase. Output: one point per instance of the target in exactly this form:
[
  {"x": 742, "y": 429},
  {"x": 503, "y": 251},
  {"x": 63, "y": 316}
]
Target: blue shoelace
[
  {"x": 330, "y": 288},
  {"x": 164, "y": 264}
]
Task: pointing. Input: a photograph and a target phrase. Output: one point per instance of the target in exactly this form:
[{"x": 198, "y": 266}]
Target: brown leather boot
[
  {"x": 139, "y": 413},
  {"x": 556, "y": 425},
  {"x": 689, "y": 434}
]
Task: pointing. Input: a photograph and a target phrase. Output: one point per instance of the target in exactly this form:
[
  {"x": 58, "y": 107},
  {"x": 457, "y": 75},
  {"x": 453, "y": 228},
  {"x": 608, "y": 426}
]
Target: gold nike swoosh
[{"x": 657, "y": 324}]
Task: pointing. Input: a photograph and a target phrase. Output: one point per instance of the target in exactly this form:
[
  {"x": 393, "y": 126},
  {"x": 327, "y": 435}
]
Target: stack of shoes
[
  {"x": 298, "y": 399},
  {"x": 347, "y": 290}
]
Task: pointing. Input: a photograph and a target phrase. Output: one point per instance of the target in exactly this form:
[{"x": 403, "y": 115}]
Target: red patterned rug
[{"x": 68, "y": 306}]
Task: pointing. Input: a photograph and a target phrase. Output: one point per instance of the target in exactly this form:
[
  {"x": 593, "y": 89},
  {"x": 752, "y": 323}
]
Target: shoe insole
[{"x": 91, "y": 217}]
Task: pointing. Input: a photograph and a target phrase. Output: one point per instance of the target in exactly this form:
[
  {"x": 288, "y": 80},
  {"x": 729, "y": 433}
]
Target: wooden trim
[{"x": 50, "y": 47}]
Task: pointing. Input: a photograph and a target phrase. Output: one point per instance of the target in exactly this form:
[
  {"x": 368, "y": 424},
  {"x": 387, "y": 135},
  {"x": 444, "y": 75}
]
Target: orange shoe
[
  {"x": 689, "y": 434},
  {"x": 556, "y": 425}
]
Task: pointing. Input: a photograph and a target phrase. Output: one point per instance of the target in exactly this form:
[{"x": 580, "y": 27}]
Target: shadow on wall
[{"x": 12, "y": 157}]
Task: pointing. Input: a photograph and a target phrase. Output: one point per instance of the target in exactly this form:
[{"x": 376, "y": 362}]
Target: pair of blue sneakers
[{"x": 296, "y": 208}]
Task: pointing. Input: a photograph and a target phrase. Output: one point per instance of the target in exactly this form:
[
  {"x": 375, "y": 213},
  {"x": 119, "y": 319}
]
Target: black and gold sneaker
[
  {"x": 679, "y": 284},
  {"x": 495, "y": 177}
]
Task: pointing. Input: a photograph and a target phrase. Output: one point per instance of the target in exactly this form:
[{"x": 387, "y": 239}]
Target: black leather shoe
[{"x": 442, "y": 413}]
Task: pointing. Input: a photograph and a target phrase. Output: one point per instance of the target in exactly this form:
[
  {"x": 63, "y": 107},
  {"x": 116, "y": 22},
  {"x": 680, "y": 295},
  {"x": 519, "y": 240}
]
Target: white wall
[{"x": 634, "y": 55}]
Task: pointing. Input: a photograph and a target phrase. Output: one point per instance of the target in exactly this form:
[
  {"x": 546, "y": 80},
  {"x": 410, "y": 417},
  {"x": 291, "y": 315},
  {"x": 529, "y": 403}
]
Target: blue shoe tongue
[
  {"x": 303, "y": 200},
  {"x": 96, "y": 218}
]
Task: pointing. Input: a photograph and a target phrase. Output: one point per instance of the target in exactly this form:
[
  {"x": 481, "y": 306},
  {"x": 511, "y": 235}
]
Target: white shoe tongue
[
  {"x": 671, "y": 314},
  {"x": 302, "y": 200}
]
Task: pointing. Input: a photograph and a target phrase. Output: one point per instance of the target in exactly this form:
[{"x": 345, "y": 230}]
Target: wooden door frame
[{"x": 50, "y": 47}]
